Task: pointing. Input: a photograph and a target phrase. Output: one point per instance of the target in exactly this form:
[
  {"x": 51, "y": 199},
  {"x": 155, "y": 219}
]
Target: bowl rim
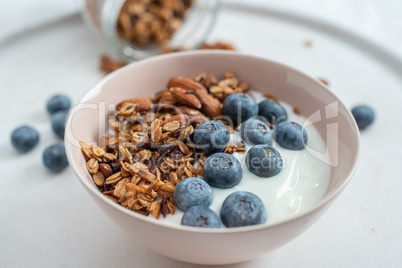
[{"x": 90, "y": 187}]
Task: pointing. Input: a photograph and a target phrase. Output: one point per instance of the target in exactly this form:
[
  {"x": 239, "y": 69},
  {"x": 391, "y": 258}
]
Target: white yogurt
[{"x": 299, "y": 185}]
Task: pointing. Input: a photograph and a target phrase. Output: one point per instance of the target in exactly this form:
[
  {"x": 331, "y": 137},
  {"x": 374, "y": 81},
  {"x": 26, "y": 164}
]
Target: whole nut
[
  {"x": 196, "y": 117},
  {"x": 184, "y": 97},
  {"x": 184, "y": 83},
  {"x": 187, "y": 110},
  {"x": 106, "y": 169},
  {"x": 143, "y": 104},
  {"x": 116, "y": 166},
  {"x": 210, "y": 105}
]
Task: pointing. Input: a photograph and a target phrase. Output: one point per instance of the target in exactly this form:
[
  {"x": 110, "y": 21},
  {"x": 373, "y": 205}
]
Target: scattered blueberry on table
[
  {"x": 222, "y": 170},
  {"x": 190, "y": 192},
  {"x": 242, "y": 209},
  {"x": 211, "y": 137},
  {"x": 272, "y": 111},
  {"x": 54, "y": 157},
  {"x": 24, "y": 138},
  {"x": 59, "y": 123},
  {"x": 58, "y": 103},
  {"x": 200, "y": 216},
  {"x": 290, "y": 135},
  {"x": 364, "y": 116},
  {"x": 264, "y": 161},
  {"x": 255, "y": 131},
  {"x": 239, "y": 107}
]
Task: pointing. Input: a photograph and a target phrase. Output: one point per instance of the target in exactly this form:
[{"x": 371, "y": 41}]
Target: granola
[
  {"x": 144, "y": 22},
  {"x": 151, "y": 150}
]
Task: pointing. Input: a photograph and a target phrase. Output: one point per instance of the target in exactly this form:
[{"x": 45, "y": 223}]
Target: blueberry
[
  {"x": 239, "y": 107},
  {"x": 242, "y": 209},
  {"x": 211, "y": 137},
  {"x": 24, "y": 138},
  {"x": 264, "y": 161},
  {"x": 192, "y": 192},
  {"x": 255, "y": 131},
  {"x": 200, "y": 216},
  {"x": 54, "y": 157},
  {"x": 364, "y": 116},
  {"x": 58, "y": 103},
  {"x": 222, "y": 170},
  {"x": 272, "y": 111},
  {"x": 59, "y": 123},
  {"x": 290, "y": 135}
]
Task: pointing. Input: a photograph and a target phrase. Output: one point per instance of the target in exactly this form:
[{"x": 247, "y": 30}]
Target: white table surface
[{"x": 48, "y": 220}]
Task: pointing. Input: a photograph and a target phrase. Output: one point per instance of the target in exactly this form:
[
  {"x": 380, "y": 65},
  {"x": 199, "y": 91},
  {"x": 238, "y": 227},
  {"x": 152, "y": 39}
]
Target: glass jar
[{"x": 198, "y": 21}]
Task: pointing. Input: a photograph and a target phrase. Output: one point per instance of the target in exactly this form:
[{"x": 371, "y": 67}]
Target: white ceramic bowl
[{"x": 206, "y": 246}]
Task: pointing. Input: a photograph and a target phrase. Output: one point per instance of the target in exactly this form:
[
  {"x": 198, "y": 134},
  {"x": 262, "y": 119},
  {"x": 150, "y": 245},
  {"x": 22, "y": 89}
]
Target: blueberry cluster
[
  {"x": 222, "y": 170},
  {"x": 193, "y": 196},
  {"x": 259, "y": 124},
  {"x": 25, "y": 138},
  {"x": 256, "y": 121}
]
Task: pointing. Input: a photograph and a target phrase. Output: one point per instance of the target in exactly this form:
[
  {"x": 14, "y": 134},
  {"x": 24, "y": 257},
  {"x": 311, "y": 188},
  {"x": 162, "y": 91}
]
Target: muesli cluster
[
  {"x": 143, "y": 22},
  {"x": 151, "y": 148}
]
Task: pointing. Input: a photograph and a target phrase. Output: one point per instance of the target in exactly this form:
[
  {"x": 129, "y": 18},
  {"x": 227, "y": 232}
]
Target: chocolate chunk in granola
[
  {"x": 115, "y": 165},
  {"x": 110, "y": 148},
  {"x": 176, "y": 153},
  {"x": 165, "y": 149},
  {"x": 150, "y": 163}
]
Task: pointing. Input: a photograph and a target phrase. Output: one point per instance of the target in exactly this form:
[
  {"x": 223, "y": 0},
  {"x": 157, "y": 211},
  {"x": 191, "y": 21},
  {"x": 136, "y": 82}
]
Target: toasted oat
[
  {"x": 171, "y": 126},
  {"x": 114, "y": 178},
  {"x": 270, "y": 96},
  {"x": 99, "y": 179},
  {"x": 150, "y": 150},
  {"x": 93, "y": 166},
  {"x": 233, "y": 148},
  {"x": 156, "y": 130}
]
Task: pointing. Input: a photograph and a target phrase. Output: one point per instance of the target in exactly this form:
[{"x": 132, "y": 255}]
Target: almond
[
  {"x": 187, "y": 110},
  {"x": 184, "y": 83},
  {"x": 143, "y": 104},
  {"x": 183, "y": 119},
  {"x": 106, "y": 169},
  {"x": 210, "y": 105},
  {"x": 196, "y": 117},
  {"x": 185, "y": 97}
]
